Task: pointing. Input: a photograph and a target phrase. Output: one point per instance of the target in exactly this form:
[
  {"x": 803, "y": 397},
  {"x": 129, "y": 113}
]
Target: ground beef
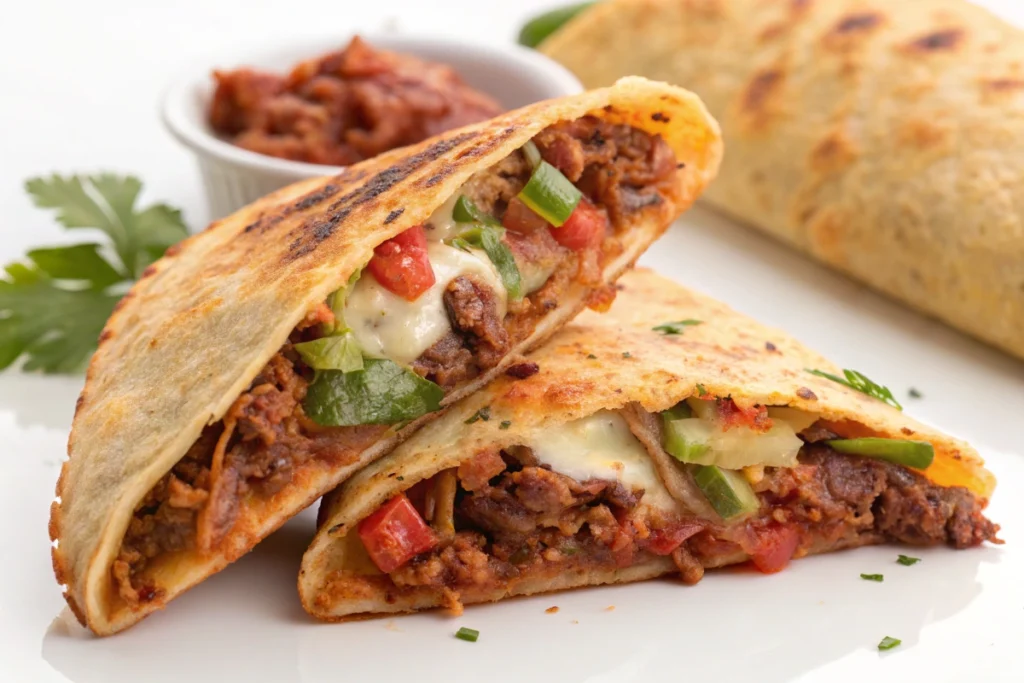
[
  {"x": 345, "y": 106},
  {"x": 265, "y": 436},
  {"x": 617, "y": 166},
  {"x": 531, "y": 521}
]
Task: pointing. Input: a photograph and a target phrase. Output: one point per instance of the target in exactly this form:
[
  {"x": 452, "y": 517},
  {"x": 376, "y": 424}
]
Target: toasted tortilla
[
  {"x": 614, "y": 361},
  {"x": 884, "y": 139},
  {"x": 205, "y": 319}
]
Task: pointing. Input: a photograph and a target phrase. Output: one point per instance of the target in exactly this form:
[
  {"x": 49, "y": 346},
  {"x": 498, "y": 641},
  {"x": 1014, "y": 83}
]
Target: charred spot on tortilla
[
  {"x": 317, "y": 196},
  {"x": 393, "y": 215},
  {"x": 522, "y": 370},
  {"x": 312, "y": 233},
  {"x": 937, "y": 41},
  {"x": 445, "y": 171},
  {"x": 660, "y": 117},
  {"x": 760, "y": 89},
  {"x": 770, "y": 346},
  {"x": 806, "y": 394},
  {"x": 860, "y": 22}
]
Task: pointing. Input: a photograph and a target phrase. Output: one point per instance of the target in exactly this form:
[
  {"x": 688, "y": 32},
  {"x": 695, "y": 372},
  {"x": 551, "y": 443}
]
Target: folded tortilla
[
  {"x": 885, "y": 139},
  {"x": 187, "y": 435},
  {"x": 563, "y": 479}
]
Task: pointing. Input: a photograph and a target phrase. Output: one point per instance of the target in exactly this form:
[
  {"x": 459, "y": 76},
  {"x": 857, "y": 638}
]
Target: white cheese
[
  {"x": 441, "y": 225},
  {"x": 602, "y": 447},
  {"x": 387, "y": 326}
]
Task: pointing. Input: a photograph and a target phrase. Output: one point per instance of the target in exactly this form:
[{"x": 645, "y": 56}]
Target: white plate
[{"x": 960, "y": 614}]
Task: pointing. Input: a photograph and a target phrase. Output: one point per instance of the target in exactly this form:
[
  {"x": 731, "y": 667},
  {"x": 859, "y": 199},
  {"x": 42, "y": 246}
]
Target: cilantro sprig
[
  {"x": 676, "y": 327},
  {"x": 55, "y": 301},
  {"x": 858, "y": 381}
]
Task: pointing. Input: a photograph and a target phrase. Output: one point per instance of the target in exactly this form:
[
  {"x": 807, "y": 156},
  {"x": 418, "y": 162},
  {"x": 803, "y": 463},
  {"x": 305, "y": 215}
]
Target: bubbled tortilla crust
[
  {"x": 193, "y": 333},
  {"x": 884, "y": 138},
  {"x": 600, "y": 362}
]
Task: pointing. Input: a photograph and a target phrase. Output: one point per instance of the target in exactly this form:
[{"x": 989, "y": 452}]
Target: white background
[{"x": 79, "y": 87}]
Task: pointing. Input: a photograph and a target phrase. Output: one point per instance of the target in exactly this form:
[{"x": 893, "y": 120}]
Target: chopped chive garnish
[
  {"x": 471, "y": 634},
  {"x": 889, "y": 643},
  {"x": 505, "y": 424},
  {"x": 482, "y": 414},
  {"x": 914, "y": 393},
  {"x": 676, "y": 327},
  {"x": 872, "y": 577},
  {"x": 858, "y": 381},
  {"x": 907, "y": 560}
]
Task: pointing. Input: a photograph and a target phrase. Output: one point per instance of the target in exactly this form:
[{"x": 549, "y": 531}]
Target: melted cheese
[
  {"x": 441, "y": 225},
  {"x": 387, "y": 326},
  {"x": 602, "y": 447}
]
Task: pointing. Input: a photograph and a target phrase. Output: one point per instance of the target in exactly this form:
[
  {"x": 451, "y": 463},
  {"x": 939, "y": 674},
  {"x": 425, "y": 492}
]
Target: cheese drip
[
  {"x": 603, "y": 447},
  {"x": 387, "y": 326}
]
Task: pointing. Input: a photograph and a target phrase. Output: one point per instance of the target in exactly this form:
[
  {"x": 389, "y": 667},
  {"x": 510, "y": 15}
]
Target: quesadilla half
[
  {"x": 266, "y": 359},
  {"x": 670, "y": 435},
  {"x": 882, "y": 138}
]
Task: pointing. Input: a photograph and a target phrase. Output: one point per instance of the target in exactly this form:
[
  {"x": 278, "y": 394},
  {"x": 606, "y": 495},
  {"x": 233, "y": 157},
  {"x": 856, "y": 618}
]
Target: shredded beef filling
[
  {"x": 265, "y": 435},
  {"x": 525, "y": 520}
]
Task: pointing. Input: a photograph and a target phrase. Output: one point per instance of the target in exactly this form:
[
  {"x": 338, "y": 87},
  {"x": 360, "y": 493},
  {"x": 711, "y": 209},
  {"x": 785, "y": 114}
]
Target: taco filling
[
  {"x": 435, "y": 307},
  {"x": 762, "y": 484}
]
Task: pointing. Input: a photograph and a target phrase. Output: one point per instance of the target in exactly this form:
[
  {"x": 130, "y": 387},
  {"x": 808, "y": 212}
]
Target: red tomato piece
[
  {"x": 521, "y": 218},
  {"x": 401, "y": 265},
  {"x": 755, "y": 417},
  {"x": 665, "y": 541},
  {"x": 774, "y": 548},
  {"x": 586, "y": 227},
  {"x": 395, "y": 534}
]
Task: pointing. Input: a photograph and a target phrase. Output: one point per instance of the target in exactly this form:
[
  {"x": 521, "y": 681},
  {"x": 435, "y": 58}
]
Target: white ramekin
[{"x": 234, "y": 177}]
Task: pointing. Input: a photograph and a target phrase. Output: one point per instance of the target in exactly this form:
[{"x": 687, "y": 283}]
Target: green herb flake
[
  {"x": 701, "y": 391},
  {"x": 861, "y": 383},
  {"x": 505, "y": 424},
  {"x": 482, "y": 414},
  {"x": 55, "y": 302},
  {"x": 914, "y": 393},
  {"x": 627, "y": 354},
  {"x": 907, "y": 561},
  {"x": 889, "y": 643},
  {"x": 400, "y": 478},
  {"x": 591, "y": 356},
  {"x": 677, "y": 327},
  {"x": 873, "y": 577},
  {"x": 468, "y": 634}
]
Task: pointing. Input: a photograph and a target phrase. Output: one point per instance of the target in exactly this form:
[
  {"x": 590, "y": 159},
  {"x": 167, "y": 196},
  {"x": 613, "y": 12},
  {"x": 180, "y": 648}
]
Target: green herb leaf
[
  {"x": 873, "y": 577},
  {"x": 627, "y": 354},
  {"x": 907, "y": 561},
  {"x": 54, "y": 306},
  {"x": 381, "y": 393},
  {"x": 335, "y": 352},
  {"x": 469, "y": 634},
  {"x": 914, "y": 393},
  {"x": 482, "y": 414},
  {"x": 701, "y": 391},
  {"x": 466, "y": 211},
  {"x": 488, "y": 238},
  {"x": 505, "y": 424},
  {"x": 858, "y": 381},
  {"x": 55, "y": 327},
  {"x": 591, "y": 356},
  {"x": 79, "y": 262},
  {"x": 106, "y": 202},
  {"x": 676, "y": 327},
  {"x": 889, "y": 643}
]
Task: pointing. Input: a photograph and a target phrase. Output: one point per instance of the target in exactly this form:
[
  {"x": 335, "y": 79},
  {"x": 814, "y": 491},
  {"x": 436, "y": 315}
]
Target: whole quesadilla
[
  {"x": 669, "y": 436},
  {"x": 884, "y": 139},
  {"x": 269, "y": 357}
]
